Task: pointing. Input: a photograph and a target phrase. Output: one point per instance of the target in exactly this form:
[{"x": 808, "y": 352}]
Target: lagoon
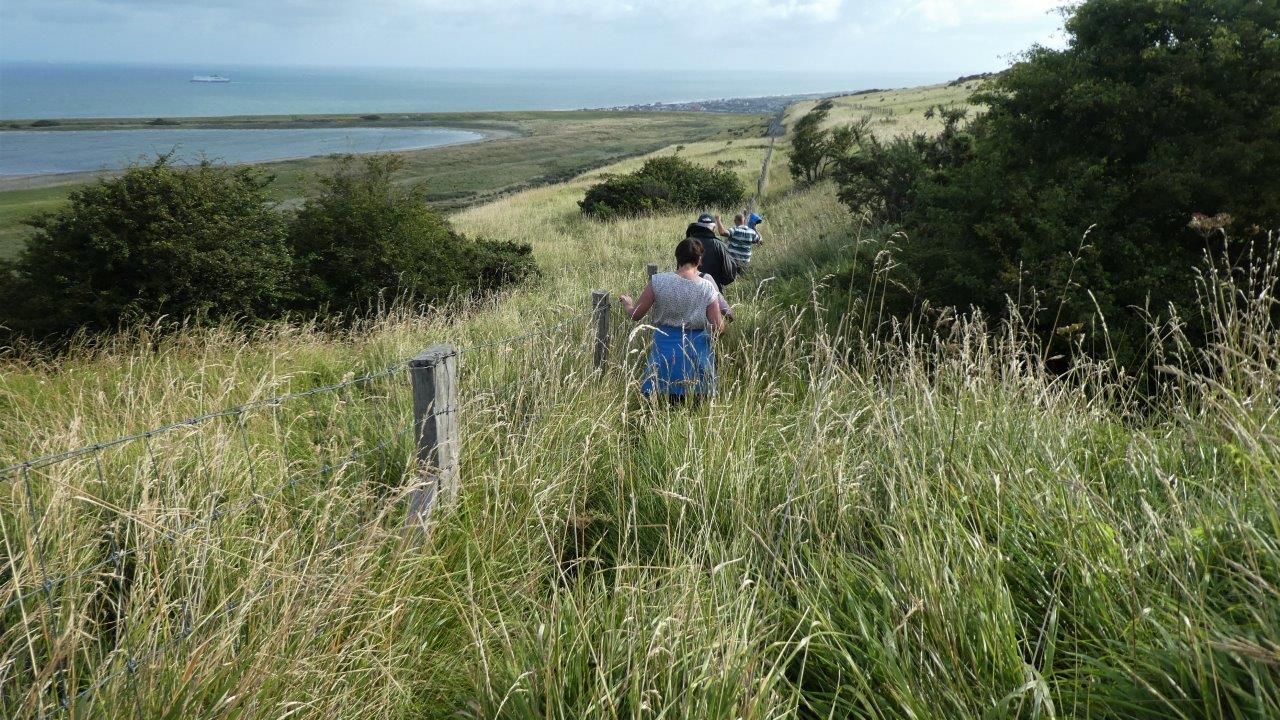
[{"x": 37, "y": 152}]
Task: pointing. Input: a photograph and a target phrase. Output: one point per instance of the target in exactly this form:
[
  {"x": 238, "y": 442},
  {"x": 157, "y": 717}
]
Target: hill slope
[{"x": 890, "y": 529}]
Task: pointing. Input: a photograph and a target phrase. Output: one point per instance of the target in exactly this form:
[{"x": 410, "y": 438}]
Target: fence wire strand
[
  {"x": 68, "y": 699},
  {"x": 46, "y": 460},
  {"x": 215, "y": 515}
]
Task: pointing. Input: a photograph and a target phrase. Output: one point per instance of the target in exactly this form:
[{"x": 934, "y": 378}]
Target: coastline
[
  {"x": 491, "y": 126},
  {"x": 34, "y": 181},
  {"x": 519, "y": 150}
]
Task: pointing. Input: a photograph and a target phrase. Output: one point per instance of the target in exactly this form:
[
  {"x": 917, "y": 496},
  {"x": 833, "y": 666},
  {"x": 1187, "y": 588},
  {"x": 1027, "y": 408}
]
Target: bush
[
  {"x": 45, "y": 123},
  {"x": 363, "y": 236},
  {"x": 663, "y": 184},
  {"x": 200, "y": 242},
  {"x": 1153, "y": 113}
]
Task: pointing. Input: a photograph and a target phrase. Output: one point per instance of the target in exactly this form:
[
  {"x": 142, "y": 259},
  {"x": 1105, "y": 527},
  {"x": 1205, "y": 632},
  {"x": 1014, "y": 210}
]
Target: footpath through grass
[{"x": 895, "y": 528}]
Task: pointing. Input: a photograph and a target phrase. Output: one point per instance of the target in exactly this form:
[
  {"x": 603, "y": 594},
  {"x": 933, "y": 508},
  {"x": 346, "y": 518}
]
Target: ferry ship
[{"x": 210, "y": 79}]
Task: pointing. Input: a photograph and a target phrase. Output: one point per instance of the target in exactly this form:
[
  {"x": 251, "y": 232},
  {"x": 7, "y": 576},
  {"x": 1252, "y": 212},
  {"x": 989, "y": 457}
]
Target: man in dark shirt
[{"x": 716, "y": 260}]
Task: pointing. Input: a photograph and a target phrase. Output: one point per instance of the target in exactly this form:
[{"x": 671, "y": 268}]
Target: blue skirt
[{"x": 682, "y": 362}]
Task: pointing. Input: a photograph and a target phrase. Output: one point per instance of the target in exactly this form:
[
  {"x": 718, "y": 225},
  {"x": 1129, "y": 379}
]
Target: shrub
[
  {"x": 1154, "y": 112},
  {"x": 663, "y": 184},
  {"x": 163, "y": 121},
  {"x": 363, "y": 236},
  {"x": 197, "y": 242},
  {"x": 45, "y": 123}
]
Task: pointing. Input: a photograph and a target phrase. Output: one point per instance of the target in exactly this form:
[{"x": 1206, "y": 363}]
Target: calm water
[
  {"x": 33, "y": 91},
  {"x": 37, "y": 91},
  {"x": 31, "y": 152}
]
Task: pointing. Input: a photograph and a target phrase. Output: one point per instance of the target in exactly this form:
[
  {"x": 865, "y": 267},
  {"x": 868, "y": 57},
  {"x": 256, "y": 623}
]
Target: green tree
[
  {"x": 1153, "y": 112},
  {"x": 809, "y": 143},
  {"x": 816, "y": 150},
  {"x": 190, "y": 243},
  {"x": 362, "y": 237}
]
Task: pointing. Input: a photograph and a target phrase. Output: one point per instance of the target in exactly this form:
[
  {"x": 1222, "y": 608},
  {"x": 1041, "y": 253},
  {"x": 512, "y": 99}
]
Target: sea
[{"x": 34, "y": 91}]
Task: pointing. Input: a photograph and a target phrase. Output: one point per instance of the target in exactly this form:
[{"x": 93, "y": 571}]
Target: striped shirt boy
[{"x": 741, "y": 240}]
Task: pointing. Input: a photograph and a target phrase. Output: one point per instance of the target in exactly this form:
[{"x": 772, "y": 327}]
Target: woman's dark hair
[{"x": 689, "y": 252}]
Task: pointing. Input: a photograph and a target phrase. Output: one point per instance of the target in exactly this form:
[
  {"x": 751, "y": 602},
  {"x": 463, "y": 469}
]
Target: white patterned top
[{"x": 679, "y": 302}]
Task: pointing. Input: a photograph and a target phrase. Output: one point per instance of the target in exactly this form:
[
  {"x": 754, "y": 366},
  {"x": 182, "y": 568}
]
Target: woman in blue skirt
[{"x": 686, "y": 311}]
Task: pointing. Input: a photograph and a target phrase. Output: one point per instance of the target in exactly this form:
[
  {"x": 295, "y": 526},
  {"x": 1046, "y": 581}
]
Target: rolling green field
[
  {"x": 530, "y": 149},
  {"x": 885, "y": 525}
]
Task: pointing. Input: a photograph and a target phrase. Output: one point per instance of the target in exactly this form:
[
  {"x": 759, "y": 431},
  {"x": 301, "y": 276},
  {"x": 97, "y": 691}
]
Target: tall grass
[{"x": 862, "y": 524}]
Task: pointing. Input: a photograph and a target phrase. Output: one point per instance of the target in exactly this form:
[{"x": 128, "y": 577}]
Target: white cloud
[
  {"x": 939, "y": 14},
  {"x": 642, "y": 11},
  {"x": 809, "y": 35}
]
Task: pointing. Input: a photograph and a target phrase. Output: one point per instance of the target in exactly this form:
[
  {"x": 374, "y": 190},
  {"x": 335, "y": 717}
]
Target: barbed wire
[
  {"x": 217, "y": 514},
  {"x": 135, "y": 661},
  {"x": 46, "y": 460},
  {"x": 544, "y": 332}
]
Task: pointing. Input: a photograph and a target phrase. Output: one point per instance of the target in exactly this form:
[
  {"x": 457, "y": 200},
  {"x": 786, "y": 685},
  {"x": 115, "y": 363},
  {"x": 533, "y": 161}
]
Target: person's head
[
  {"x": 689, "y": 252},
  {"x": 707, "y": 220},
  {"x": 754, "y": 220},
  {"x": 738, "y": 219}
]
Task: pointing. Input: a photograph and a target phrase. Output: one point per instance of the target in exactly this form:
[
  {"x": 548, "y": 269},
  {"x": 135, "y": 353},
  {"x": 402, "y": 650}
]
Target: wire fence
[
  {"x": 32, "y": 634},
  {"x": 36, "y": 606}
]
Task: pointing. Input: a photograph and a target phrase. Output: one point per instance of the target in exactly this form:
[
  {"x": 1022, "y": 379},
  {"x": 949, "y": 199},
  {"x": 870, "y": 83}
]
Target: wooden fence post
[
  {"x": 435, "y": 404},
  {"x": 600, "y": 314},
  {"x": 652, "y": 269}
]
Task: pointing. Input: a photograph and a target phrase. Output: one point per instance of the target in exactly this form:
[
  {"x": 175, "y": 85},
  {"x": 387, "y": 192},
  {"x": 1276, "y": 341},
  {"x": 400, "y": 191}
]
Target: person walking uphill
[
  {"x": 716, "y": 260},
  {"x": 686, "y": 312}
]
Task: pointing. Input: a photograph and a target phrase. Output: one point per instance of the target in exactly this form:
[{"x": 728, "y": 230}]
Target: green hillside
[{"x": 889, "y": 525}]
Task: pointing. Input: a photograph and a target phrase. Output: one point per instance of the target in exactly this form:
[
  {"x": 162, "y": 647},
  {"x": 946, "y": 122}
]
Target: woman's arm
[
  {"x": 635, "y": 310},
  {"x": 715, "y": 318}
]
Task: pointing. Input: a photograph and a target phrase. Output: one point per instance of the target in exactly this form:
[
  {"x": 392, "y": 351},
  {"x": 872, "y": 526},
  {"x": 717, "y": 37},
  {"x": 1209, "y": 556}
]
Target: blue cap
[
  {"x": 754, "y": 220},
  {"x": 706, "y": 219}
]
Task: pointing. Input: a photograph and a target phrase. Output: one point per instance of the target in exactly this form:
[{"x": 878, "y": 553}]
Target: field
[
  {"x": 530, "y": 149},
  {"x": 892, "y": 112},
  {"x": 880, "y": 526}
]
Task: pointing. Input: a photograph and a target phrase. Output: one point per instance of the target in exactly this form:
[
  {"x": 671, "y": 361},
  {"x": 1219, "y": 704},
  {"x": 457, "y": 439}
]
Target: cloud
[
  {"x": 967, "y": 35},
  {"x": 475, "y": 11},
  {"x": 942, "y": 14}
]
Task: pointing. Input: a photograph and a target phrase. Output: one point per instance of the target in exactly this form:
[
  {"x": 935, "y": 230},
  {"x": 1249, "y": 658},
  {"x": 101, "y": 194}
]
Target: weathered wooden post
[
  {"x": 600, "y": 316},
  {"x": 653, "y": 270},
  {"x": 435, "y": 402}
]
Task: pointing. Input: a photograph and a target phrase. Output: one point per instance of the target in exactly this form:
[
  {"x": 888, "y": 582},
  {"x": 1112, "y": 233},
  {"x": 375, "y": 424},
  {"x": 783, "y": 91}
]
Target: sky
[{"x": 953, "y": 36}]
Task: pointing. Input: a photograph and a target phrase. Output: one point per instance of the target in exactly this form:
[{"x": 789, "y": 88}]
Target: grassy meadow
[
  {"x": 877, "y": 525},
  {"x": 526, "y": 149},
  {"x": 893, "y": 113}
]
